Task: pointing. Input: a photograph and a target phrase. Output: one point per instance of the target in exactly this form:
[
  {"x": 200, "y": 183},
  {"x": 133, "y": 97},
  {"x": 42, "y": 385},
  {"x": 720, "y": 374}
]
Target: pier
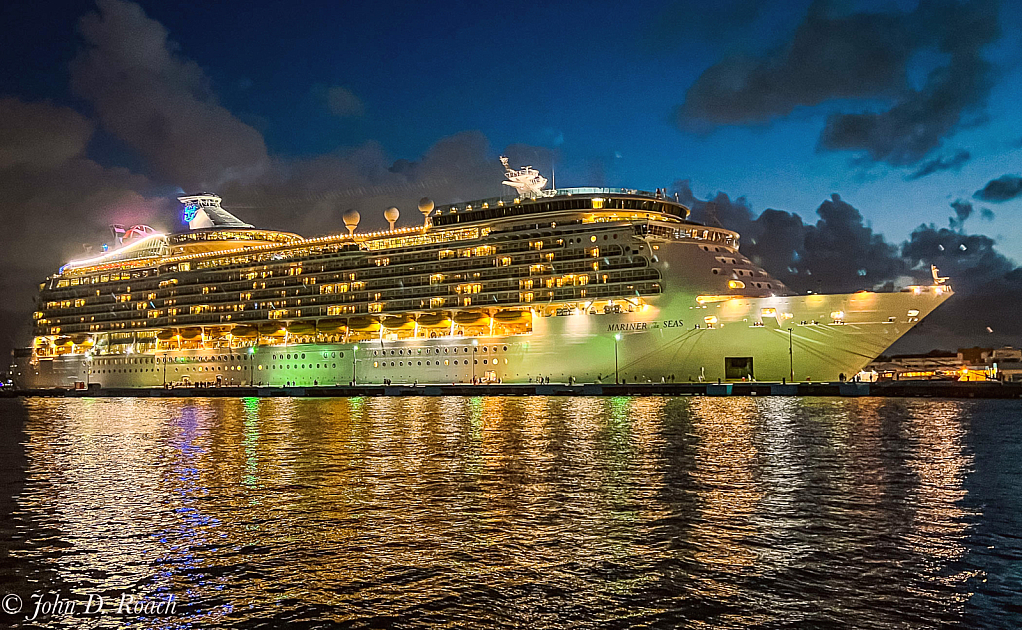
[{"x": 931, "y": 389}]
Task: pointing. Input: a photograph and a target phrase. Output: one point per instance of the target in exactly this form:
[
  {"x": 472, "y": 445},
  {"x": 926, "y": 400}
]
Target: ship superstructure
[{"x": 584, "y": 284}]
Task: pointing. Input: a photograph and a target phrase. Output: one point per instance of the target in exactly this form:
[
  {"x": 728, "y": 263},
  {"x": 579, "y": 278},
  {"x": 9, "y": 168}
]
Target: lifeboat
[
  {"x": 512, "y": 316},
  {"x": 332, "y": 326},
  {"x": 364, "y": 324},
  {"x": 434, "y": 320},
  {"x": 399, "y": 322},
  {"x": 63, "y": 341},
  {"x": 81, "y": 340},
  {"x": 166, "y": 334},
  {"x": 272, "y": 329},
  {"x": 472, "y": 318},
  {"x": 245, "y": 332},
  {"x": 302, "y": 328},
  {"x": 191, "y": 334}
]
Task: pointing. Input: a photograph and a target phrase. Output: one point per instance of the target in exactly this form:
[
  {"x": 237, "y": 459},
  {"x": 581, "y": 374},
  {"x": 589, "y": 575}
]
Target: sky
[{"x": 852, "y": 143}]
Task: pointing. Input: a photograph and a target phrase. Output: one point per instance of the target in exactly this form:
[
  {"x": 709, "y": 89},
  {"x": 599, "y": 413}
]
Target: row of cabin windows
[{"x": 377, "y": 364}]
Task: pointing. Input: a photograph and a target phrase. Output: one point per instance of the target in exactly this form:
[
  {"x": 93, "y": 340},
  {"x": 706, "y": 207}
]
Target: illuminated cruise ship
[{"x": 571, "y": 285}]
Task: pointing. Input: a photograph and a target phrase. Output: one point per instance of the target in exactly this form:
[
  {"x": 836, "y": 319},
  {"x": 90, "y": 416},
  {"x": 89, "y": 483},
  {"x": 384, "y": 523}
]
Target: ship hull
[{"x": 673, "y": 340}]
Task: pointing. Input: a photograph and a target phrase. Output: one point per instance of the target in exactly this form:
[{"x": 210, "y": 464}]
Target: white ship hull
[{"x": 669, "y": 343}]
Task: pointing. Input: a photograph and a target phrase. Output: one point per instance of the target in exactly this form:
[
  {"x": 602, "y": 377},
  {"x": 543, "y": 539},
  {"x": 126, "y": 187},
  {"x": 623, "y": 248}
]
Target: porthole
[
  {"x": 505, "y": 348},
  {"x": 376, "y": 364},
  {"x": 391, "y": 364},
  {"x": 401, "y": 364},
  {"x": 455, "y": 362},
  {"x": 505, "y": 361},
  {"x": 420, "y": 362},
  {"x": 446, "y": 350},
  {"x": 447, "y": 362},
  {"x": 303, "y": 355},
  {"x": 335, "y": 365},
  {"x": 455, "y": 351}
]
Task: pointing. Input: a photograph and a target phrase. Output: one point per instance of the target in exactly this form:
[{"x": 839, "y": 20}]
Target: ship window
[{"x": 505, "y": 348}]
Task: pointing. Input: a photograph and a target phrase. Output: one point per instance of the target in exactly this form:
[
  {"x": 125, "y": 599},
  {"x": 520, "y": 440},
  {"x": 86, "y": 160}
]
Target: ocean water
[{"x": 511, "y": 513}]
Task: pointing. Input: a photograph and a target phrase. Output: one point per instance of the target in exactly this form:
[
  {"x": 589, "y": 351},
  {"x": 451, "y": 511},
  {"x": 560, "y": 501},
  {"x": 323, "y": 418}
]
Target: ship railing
[{"x": 477, "y": 204}]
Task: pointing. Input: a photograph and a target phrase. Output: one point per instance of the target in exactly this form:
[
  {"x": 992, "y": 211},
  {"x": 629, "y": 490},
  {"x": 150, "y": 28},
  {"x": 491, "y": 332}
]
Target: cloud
[
  {"x": 838, "y": 253},
  {"x": 55, "y": 200},
  {"x": 159, "y": 103},
  {"x": 941, "y": 163},
  {"x": 860, "y": 55},
  {"x": 963, "y": 210},
  {"x": 1004, "y": 188},
  {"x": 343, "y": 103}
]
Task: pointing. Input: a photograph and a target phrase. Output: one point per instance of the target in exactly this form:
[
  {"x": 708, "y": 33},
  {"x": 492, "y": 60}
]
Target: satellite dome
[
  {"x": 391, "y": 214},
  {"x": 425, "y": 205},
  {"x": 351, "y": 219}
]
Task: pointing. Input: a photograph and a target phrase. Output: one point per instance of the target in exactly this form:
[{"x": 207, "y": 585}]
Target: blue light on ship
[{"x": 189, "y": 212}]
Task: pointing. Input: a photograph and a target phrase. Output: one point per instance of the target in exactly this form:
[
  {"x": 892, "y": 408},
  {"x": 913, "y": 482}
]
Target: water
[{"x": 515, "y": 512}]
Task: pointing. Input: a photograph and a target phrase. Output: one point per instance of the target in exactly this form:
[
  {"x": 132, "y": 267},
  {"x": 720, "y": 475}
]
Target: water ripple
[{"x": 520, "y": 512}]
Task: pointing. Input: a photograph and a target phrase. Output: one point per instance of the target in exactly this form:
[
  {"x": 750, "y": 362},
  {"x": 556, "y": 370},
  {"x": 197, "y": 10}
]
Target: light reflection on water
[{"x": 510, "y": 512}]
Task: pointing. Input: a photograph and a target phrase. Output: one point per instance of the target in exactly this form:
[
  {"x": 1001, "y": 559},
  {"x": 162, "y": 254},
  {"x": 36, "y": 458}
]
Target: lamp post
[
  {"x": 791, "y": 360},
  {"x": 617, "y": 378},
  {"x": 354, "y": 351},
  {"x": 251, "y": 367},
  {"x": 475, "y": 349}
]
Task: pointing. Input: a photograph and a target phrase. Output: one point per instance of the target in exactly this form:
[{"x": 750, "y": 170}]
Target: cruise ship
[{"x": 569, "y": 285}]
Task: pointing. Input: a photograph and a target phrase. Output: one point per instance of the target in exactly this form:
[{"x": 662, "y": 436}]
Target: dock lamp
[
  {"x": 617, "y": 378},
  {"x": 251, "y": 366},
  {"x": 354, "y": 350}
]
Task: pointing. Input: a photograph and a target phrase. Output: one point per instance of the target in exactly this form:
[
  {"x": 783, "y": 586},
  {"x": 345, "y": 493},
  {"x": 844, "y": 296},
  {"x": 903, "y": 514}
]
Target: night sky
[{"x": 851, "y": 143}]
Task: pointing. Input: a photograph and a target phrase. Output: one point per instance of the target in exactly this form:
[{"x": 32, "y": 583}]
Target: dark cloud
[
  {"x": 836, "y": 254},
  {"x": 860, "y": 56},
  {"x": 159, "y": 103},
  {"x": 1003, "y": 188},
  {"x": 963, "y": 210},
  {"x": 941, "y": 163}
]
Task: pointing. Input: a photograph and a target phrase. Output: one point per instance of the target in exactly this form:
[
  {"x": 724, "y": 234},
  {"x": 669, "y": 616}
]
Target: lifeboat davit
[
  {"x": 364, "y": 324},
  {"x": 245, "y": 332}
]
